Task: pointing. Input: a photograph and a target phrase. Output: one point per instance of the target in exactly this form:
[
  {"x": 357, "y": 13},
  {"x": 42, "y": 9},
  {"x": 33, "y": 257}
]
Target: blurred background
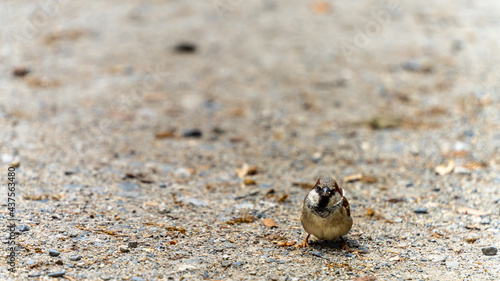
[{"x": 179, "y": 94}]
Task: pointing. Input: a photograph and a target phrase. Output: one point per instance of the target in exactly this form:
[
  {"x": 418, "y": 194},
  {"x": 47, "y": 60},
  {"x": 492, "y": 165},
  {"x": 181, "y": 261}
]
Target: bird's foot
[
  {"x": 305, "y": 243},
  {"x": 349, "y": 250}
]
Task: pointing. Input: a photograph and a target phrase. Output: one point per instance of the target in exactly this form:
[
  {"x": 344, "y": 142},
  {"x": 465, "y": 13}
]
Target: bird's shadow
[{"x": 337, "y": 244}]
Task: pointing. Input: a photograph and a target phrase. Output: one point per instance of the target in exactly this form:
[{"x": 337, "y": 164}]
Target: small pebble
[
  {"x": 485, "y": 221},
  {"x": 489, "y": 251},
  {"x": 417, "y": 65},
  {"x": 132, "y": 244},
  {"x": 162, "y": 185},
  {"x": 128, "y": 186},
  {"x": 75, "y": 258},
  {"x": 437, "y": 259},
  {"x": 124, "y": 249},
  {"x": 30, "y": 262},
  {"x": 185, "y": 48},
  {"x": 56, "y": 274},
  {"x": 35, "y": 274},
  {"x": 192, "y": 133},
  {"x": 452, "y": 264},
  {"x": 20, "y": 71},
  {"x": 23, "y": 228},
  {"x": 54, "y": 253},
  {"x": 106, "y": 277},
  {"x": 137, "y": 278},
  {"x": 317, "y": 253},
  {"x": 226, "y": 263},
  {"x": 420, "y": 211}
]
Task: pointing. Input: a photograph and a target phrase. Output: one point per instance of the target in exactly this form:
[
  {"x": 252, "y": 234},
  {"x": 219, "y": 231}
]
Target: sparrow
[{"x": 326, "y": 213}]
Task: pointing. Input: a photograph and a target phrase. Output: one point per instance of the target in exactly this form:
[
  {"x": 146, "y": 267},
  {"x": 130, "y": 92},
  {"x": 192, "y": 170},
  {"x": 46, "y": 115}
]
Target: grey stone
[
  {"x": 106, "y": 277},
  {"x": 35, "y": 274},
  {"x": 420, "y": 210},
  {"x": 128, "y": 186},
  {"x": 317, "y": 253},
  {"x": 54, "y": 253},
  {"x": 137, "y": 278},
  {"x": 417, "y": 65},
  {"x": 462, "y": 170},
  {"x": 23, "y": 228},
  {"x": 452, "y": 264},
  {"x": 192, "y": 133},
  {"x": 437, "y": 258},
  {"x": 132, "y": 244},
  {"x": 489, "y": 251},
  {"x": 75, "y": 258},
  {"x": 485, "y": 221},
  {"x": 124, "y": 249},
  {"x": 193, "y": 201},
  {"x": 56, "y": 274},
  {"x": 226, "y": 263}
]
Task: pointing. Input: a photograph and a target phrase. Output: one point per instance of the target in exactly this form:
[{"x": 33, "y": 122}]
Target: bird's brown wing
[{"x": 345, "y": 204}]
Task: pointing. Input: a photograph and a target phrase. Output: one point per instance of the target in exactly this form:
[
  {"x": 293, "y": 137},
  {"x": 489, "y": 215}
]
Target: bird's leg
[
  {"x": 347, "y": 249},
  {"x": 344, "y": 245},
  {"x": 305, "y": 244}
]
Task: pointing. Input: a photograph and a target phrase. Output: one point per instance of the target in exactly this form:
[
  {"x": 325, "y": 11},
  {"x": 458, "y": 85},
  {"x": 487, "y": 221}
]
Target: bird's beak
[{"x": 325, "y": 191}]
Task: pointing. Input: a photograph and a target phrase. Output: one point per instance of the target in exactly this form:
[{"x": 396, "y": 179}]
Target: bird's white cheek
[{"x": 313, "y": 198}]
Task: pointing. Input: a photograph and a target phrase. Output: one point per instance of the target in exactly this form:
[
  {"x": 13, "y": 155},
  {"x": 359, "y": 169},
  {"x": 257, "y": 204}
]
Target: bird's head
[{"x": 326, "y": 192}]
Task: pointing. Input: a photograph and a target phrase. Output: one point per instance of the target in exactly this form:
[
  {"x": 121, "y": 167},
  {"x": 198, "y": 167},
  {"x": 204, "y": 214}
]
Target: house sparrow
[{"x": 326, "y": 213}]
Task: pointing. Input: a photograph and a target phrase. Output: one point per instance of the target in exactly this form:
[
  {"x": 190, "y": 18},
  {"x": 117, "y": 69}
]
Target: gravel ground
[{"x": 155, "y": 138}]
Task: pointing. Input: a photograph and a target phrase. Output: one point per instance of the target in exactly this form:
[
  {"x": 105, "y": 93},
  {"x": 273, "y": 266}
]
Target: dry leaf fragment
[
  {"x": 368, "y": 179},
  {"x": 456, "y": 154},
  {"x": 246, "y": 170},
  {"x": 472, "y": 227},
  {"x": 365, "y": 278},
  {"x": 244, "y": 219},
  {"x": 475, "y": 165},
  {"x": 305, "y": 185},
  {"x": 269, "y": 223},
  {"x": 353, "y": 178},
  {"x": 370, "y": 212},
  {"x": 339, "y": 265},
  {"x": 248, "y": 181},
  {"x": 55, "y": 197},
  {"x": 472, "y": 212},
  {"x": 283, "y": 198},
  {"x": 471, "y": 240},
  {"x": 165, "y": 134},
  {"x": 321, "y": 7},
  {"x": 285, "y": 243},
  {"x": 445, "y": 169},
  {"x": 395, "y": 199},
  {"x": 178, "y": 229}
]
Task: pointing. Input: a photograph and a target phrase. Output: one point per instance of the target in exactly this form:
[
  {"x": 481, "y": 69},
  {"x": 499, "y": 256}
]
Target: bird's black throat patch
[{"x": 322, "y": 209}]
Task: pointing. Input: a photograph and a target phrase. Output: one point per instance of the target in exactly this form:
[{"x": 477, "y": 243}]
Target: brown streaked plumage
[{"x": 326, "y": 213}]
